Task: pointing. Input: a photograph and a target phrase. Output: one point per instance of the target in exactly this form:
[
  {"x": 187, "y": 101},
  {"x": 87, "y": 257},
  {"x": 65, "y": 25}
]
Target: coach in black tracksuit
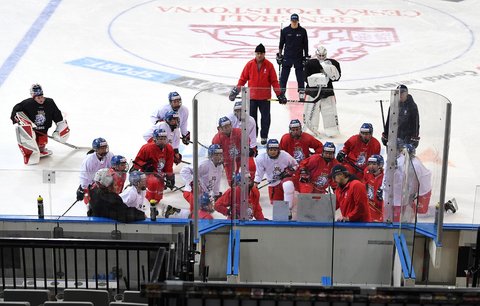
[
  {"x": 408, "y": 120},
  {"x": 295, "y": 40}
]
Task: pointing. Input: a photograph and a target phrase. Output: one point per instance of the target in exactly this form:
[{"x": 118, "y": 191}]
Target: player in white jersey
[
  {"x": 277, "y": 166},
  {"x": 210, "y": 173},
  {"x": 175, "y": 104},
  {"x": 134, "y": 194},
  {"x": 170, "y": 126},
  {"x": 98, "y": 159},
  {"x": 251, "y": 130}
]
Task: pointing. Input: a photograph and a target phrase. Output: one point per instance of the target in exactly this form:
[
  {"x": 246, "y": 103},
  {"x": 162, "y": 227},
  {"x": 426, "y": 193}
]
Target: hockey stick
[
  {"x": 383, "y": 116},
  {"x": 294, "y": 101},
  {"x": 67, "y": 209},
  {"x": 351, "y": 163},
  {"x": 64, "y": 143},
  {"x": 202, "y": 145}
]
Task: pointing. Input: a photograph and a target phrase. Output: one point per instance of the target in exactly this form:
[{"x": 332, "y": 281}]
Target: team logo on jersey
[
  {"x": 370, "y": 193},
  {"x": 233, "y": 151},
  {"x": 321, "y": 181},
  {"x": 298, "y": 154},
  {"x": 40, "y": 119},
  {"x": 361, "y": 159},
  {"x": 160, "y": 165},
  {"x": 276, "y": 173}
]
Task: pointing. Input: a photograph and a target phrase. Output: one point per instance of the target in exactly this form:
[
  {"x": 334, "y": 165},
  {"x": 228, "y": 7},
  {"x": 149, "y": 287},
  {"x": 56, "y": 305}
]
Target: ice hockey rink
[{"x": 108, "y": 64}]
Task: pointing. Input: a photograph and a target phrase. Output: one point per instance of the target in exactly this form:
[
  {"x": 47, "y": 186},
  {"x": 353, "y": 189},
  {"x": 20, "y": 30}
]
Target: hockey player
[
  {"x": 32, "y": 118},
  {"x": 173, "y": 133},
  {"x": 230, "y": 140},
  {"x": 358, "y": 149},
  {"x": 419, "y": 186},
  {"x": 278, "y": 167},
  {"x": 295, "y": 40},
  {"x": 261, "y": 77},
  {"x": 106, "y": 203},
  {"x": 100, "y": 157},
  {"x": 229, "y": 203},
  {"x": 320, "y": 72},
  {"x": 235, "y": 119},
  {"x": 156, "y": 161},
  {"x": 298, "y": 143},
  {"x": 175, "y": 104},
  {"x": 118, "y": 171},
  {"x": 373, "y": 178},
  {"x": 351, "y": 196},
  {"x": 408, "y": 120},
  {"x": 210, "y": 173},
  {"x": 313, "y": 172},
  {"x": 204, "y": 212},
  {"x": 134, "y": 194}
]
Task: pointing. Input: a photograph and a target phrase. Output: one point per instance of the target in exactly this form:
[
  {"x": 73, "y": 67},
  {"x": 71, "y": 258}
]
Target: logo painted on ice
[{"x": 360, "y": 40}]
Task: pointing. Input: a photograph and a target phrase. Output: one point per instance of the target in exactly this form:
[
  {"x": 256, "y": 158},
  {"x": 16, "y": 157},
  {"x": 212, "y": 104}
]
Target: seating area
[{"x": 71, "y": 297}]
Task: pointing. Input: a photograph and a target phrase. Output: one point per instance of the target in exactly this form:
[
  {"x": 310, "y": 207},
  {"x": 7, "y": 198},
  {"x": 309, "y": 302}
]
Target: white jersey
[
  {"x": 251, "y": 128},
  {"x": 209, "y": 177},
  {"x": 172, "y": 136},
  {"x": 90, "y": 165},
  {"x": 270, "y": 168},
  {"x": 132, "y": 198},
  {"x": 421, "y": 172},
  {"x": 159, "y": 115}
]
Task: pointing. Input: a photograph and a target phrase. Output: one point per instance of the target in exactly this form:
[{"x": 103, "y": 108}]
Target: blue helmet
[
  {"x": 99, "y": 142},
  {"x": 214, "y": 149},
  {"x": 170, "y": 115},
  {"x": 36, "y": 90},
  {"x": 204, "y": 200},
  {"x": 329, "y": 147},
  {"x": 376, "y": 158},
  {"x": 224, "y": 121},
  {"x": 174, "y": 96},
  {"x": 237, "y": 105},
  {"x": 366, "y": 128},
  {"x": 135, "y": 177},
  {"x": 273, "y": 143},
  {"x": 295, "y": 123},
  {"x": 410, "y": 149},
  {"x": 159, "y": 133},
  {"x": 117, "y": 160}
]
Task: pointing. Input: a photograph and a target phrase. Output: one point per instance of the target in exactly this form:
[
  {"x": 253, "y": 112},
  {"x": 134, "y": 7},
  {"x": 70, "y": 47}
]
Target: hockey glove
[
  {"x": 251, "y": 152},
  {"x": 304, "y": 175},
  {"x": 186, "y": 139},
  {"x": 287, "y": 172},
  {"x": 80, "y": 193},
  {"x": 380, "y": 194},
  {"x": 414, "y": 141},
  {"x": 279, "y": 58},
  {"x": 305, "y": 60},
  {"x": 215, "y": 197},
  {"x": 233, "y": 94},
  {"x": 170, "y": 181},
  {"x": 282, "y": 99},
  {"x": 384, "y": 139},
  {"x": 177, "y": 158},
  {"x": 341, "y": 156}
]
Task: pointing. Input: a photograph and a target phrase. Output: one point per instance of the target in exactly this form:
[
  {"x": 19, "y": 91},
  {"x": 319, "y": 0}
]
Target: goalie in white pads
[
  {"x": 320, "y": 72},
  {"x": 32, "y": 118}
]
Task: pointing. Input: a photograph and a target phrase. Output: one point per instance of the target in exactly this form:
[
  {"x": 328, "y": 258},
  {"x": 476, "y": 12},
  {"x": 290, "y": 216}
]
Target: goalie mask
[
  {"x": 321, "y": 53},
  {"x": 103, "y": 178}
]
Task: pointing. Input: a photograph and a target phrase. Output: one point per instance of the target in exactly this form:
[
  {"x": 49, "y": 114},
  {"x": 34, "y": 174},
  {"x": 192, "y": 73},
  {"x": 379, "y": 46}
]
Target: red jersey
[
  {"x": 358, "y": 152},
  {"x": 204, "y": 215},
  {"x": 319, "y": 171},
  {"x": 353, "y": 202},
  {"x": 151, "y": 158},
  {"x": 119, "y": 178},
  {"x": 254, "y": 209},
  {"x": 373, "y": 183},
  {"x": 299, "y": 148},
  {"x": 260, "y": 80}
]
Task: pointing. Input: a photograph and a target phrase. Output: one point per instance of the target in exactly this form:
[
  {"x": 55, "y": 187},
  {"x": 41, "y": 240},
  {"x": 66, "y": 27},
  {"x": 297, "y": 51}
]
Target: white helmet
[
  {"x": 103, "y": 177},
  {"x": 321, "y": 53}
]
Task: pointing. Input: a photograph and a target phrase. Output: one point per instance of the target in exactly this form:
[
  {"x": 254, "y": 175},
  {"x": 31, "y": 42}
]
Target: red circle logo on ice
[{"x": 379, "y": 39}]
